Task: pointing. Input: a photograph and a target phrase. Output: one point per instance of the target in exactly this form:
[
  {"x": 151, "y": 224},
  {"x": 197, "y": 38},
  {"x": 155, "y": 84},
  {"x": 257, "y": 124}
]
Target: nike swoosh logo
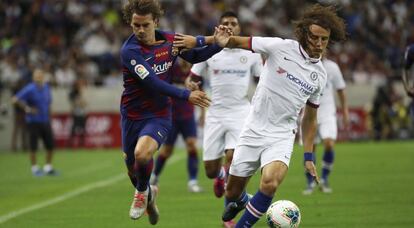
[{"x": 291, "y": 60}]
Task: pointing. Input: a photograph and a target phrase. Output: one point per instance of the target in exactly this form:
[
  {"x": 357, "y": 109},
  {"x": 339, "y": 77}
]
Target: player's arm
[
  {"x": 195, "y": 49},
  {"x": 344, "y": 106},
  {"x": 309, "y": 126},
  {"x": 144, "y": 72}
]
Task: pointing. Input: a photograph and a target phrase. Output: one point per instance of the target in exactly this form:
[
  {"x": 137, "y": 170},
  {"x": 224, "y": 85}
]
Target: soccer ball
[{"x": 283, "y": 214}]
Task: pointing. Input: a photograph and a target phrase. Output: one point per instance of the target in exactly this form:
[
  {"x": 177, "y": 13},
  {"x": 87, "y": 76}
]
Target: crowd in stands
[{"x": 80, "y": 39}]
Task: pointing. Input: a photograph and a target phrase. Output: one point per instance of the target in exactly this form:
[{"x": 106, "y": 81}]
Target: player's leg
[
  {"x": 272, "y": 176},
  {"x": 33, "y": 137},
  {"x": 150, "y": 133},
  {"x": 164, "y": 153},
  {"x": 213, "y": 145},
  {"x": 192, "y": 164},
  {"x": 329, "y": 132},
  {"x": 327, "y": 164},
  {"x": 48, "y": 141},
  {"x": 141, "y": 169},
  {"x": 188, "y": 129},
  {"x": 246, "y": 160},
  {"x": 274, "y": 162}
]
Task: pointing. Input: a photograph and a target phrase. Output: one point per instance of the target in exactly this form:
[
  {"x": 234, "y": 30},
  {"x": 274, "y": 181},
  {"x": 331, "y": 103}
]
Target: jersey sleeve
[
  {"x": 266, "y": 45},
  {"x": 201, "y": 54},
  {"x": 338, "y": 81},
  {"x": 199, "y": 69},
  {"x": 136, "y": 64},
  {"x": 257, "y": 65}
]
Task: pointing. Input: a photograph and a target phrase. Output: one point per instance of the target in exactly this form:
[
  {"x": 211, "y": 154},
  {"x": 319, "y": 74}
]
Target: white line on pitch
[{"x": 76, "y": 192}]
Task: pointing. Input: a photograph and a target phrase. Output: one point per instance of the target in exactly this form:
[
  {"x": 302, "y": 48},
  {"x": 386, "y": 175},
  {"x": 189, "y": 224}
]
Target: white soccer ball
[{"x": 283, "y": 214}]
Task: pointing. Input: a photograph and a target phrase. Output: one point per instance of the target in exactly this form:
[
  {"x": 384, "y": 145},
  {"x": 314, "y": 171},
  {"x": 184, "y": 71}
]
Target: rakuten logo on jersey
[
  {"x": 162, "y": 68},
  {"x": 304, "y": 86}
]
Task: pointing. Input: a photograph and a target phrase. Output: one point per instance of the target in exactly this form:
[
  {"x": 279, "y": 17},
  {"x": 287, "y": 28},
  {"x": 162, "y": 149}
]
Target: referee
[{"x": 35, "y": 99}]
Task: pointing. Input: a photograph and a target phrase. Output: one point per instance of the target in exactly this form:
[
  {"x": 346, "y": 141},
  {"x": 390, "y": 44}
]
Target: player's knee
[
  {"x": 191, "y": 145},
  {"x": 166, "y": 153},
  {"x": 211, "y": 173},
  {"x": 212, "y": 170},
  {"x": 142, "y": 156},
  {"x": 269, "y": 187}
]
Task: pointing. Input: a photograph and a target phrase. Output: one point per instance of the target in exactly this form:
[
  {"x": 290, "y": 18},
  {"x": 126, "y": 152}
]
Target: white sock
[
  {"x": 192, "y": 182},
  {"x": 35, "y": 168},
  {"x": 222, "y": 173},
  {"x": 47, "y": 167}
]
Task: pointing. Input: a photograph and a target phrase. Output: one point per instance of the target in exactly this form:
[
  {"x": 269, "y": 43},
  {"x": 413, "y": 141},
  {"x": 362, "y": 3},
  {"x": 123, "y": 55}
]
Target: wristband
[
  {"x": 308, "y": 156},
  {"x": 200, "y": 41}
]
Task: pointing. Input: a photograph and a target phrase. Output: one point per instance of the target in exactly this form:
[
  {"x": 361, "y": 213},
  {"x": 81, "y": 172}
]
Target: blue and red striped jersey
[
  {"x": 147, "y": 75},
  {"x": 181, "y": 109}
]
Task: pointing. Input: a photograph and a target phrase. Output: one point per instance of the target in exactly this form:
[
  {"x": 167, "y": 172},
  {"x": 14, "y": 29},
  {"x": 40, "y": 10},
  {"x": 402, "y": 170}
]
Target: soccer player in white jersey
[
  {"x": 293, "y": 77},
  {"x": 229, "y": 73},
  {"x": 327, "y": 122}
]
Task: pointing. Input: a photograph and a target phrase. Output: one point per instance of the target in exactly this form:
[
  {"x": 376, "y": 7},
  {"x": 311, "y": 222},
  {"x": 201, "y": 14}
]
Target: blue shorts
[
  {"x": 132, "y": 130},
  {"x": 187, "y": 127}
]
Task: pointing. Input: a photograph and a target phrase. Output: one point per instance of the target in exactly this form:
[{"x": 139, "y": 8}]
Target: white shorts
[
  {"x": 220, "y": 136},
  {"x": 247, "y": 158},
  {"x": 328, "y": 129}
]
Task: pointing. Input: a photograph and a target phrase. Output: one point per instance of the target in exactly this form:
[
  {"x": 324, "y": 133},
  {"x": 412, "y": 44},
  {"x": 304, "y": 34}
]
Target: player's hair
[
  {"x": 228, "y": 14},
  {"x": 324, "y": 16},
  {"x": 142, "y": 7}
]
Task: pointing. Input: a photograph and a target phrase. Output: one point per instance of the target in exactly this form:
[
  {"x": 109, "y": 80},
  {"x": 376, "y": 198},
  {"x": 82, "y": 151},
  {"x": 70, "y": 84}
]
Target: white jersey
[
  {"x": 327, "y": 108},
  {"x": 289, "y": 80},
  {"x": 229, "y": 73}
]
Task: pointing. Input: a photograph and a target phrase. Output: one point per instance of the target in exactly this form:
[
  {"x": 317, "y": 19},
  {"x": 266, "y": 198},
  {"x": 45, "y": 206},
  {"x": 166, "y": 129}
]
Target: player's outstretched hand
[
  {"x": 310, "y": 168},
  {"x": 184, "y": 42},
  {"x": 199, "y": 98},
  {"x": 222, "y": 35}
]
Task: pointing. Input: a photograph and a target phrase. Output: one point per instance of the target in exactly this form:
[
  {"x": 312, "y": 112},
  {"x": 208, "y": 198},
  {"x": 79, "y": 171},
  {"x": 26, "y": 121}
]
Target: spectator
[{"x": 35, "y": 99}]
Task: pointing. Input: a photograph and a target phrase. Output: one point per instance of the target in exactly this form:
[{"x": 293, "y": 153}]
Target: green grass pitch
[{"x": 373, "y": 187}]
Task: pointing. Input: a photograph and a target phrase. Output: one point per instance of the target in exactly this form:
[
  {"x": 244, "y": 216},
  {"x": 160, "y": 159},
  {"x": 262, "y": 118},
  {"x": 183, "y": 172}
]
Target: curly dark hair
[
  {"x": 324, "y": 16},
  {"x": 142, "y": 7}
]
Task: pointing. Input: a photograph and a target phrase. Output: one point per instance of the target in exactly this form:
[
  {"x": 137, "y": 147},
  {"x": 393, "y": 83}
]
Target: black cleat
[{"x": 232, "y": 209}]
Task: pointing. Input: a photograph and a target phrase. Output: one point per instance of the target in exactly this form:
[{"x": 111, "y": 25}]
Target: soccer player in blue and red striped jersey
[
  {"x": 146, "y": 57},
  {"x": 184, "y": 123}
]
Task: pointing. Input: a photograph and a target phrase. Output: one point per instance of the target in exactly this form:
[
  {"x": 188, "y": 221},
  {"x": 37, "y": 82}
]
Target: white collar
[{"x": 307, "y": 57}]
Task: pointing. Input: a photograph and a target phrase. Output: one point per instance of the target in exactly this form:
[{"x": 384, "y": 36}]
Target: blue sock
[
  {"x": 159, "y": 164},
  {"x": 309, "y": 178},
  {"x": 255, "y": 208},
  {"x": 328, "y": 159},
  {"x": 192, "y": 164},
  {"x": 143, "y": 174}
]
